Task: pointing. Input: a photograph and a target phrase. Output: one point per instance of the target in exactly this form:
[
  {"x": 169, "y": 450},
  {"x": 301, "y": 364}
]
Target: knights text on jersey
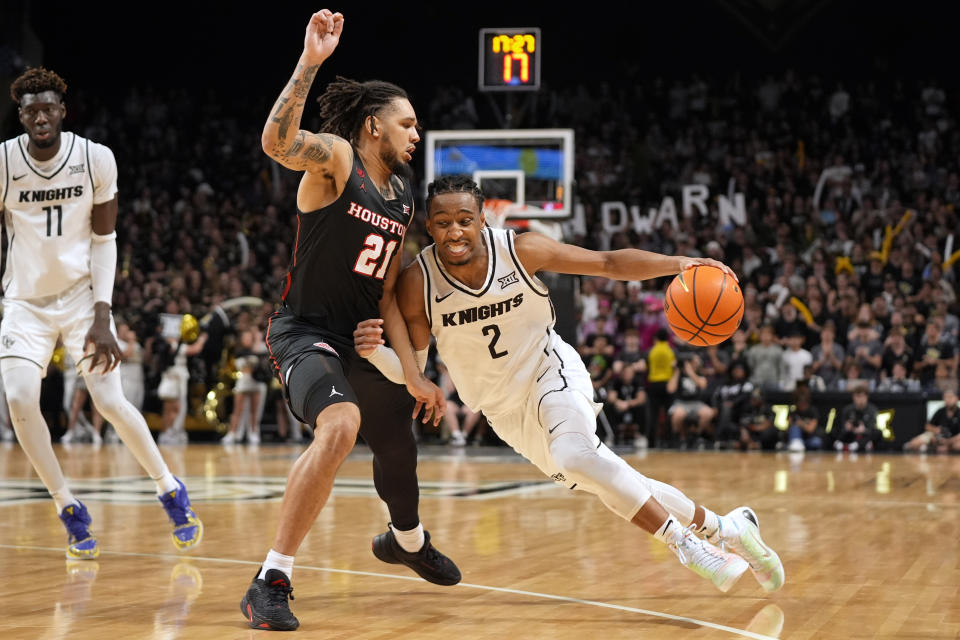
[
  {"x": 491, "y": 339},
  {"x": 342, "y": 253},
  {"x": 47, "y": 208}
]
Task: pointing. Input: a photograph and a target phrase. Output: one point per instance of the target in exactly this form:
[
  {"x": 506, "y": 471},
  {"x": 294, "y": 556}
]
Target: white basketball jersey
[
  {"x": 47, "y": 209},
  {"x": 491, "y": 339}
]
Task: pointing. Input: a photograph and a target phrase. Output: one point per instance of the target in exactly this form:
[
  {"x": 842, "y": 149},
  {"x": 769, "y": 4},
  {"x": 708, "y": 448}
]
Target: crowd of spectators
[
  {"x": 851, "y": 192},
  {"x": 845, "y": 261}
]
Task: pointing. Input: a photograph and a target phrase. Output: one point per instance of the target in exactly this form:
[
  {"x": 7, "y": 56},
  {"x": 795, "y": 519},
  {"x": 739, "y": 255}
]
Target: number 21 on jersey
[{"x": 375, "y": 256}]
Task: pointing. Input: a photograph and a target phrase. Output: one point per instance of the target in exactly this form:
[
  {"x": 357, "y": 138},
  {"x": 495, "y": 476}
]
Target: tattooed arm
[{"x": 282, "y": 138}]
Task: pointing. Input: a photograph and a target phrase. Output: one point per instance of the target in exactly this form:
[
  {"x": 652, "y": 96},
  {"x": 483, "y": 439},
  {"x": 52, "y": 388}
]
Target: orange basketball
[{"x": 703, "y": 305}]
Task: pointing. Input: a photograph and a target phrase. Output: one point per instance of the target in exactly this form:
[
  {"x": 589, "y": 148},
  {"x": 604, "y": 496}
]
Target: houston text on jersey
[{"x": 376, "y": 219}]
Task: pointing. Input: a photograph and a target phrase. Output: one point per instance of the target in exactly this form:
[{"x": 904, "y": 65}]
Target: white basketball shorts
[
  {"x": 30, "y": 329},
  {"x": 564, "y": 381}
]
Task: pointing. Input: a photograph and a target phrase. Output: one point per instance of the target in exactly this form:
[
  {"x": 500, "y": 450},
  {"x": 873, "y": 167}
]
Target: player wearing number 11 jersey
[
  {"x": 354, "y": 205},
  {"x": 59, "y": 200}
]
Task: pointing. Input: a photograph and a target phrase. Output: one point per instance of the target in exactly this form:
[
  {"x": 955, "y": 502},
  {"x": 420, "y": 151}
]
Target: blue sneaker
[
  {"x": 187, "y": 528},
  {"x": 82, "y": 545}
]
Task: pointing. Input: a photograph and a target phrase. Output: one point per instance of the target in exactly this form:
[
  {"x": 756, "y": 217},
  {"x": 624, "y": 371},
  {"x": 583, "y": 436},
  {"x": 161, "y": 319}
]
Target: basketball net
[
  {"x": 500, "y": 214},
  {"x": 498, "y": 210}
]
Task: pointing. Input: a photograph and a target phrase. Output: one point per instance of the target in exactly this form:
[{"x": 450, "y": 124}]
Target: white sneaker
[
  {"x": 707, "y": 561},
  {"x": 111, "y": 437},
  {"x": 95, "y": 437},
  {"x": 796, "y": 445},
  {"x": 640, "y": 442},
  {"x": 854, "y": 446},
  {"x": 230, "y": 438},
  {"x": 742, "y": 535},
  {"x": 457, "y": 439},
  {"x": 253, "y": 438},
  {"x": 68, "y": 438},
  {"x": 838, "y": 445}
]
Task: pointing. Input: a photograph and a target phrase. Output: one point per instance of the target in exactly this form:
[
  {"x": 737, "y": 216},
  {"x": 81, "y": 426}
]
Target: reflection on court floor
[{"x": 538, "y": 561}]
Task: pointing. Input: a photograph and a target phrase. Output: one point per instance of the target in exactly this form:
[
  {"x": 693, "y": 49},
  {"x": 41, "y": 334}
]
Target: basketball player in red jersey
[{"x": 354, "y": 205}]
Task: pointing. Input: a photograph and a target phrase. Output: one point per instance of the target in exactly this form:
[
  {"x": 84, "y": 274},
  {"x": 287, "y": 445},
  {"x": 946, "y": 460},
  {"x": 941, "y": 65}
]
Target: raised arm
[
  {"x": 282, "y": 138},
  {"x": 538, "y": 252}
]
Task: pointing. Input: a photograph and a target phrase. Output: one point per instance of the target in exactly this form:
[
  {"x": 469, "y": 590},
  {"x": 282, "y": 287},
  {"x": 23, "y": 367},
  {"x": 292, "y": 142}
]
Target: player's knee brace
[
  {"x": 574, "y": 453},
  {"x": 22, "y": 380},
  {"x": 615, "y": 482},
  {"x": 672, "y": 499}
]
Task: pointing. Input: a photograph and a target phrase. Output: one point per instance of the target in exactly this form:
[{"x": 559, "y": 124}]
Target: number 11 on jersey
[{"x": 49, "y": 212}]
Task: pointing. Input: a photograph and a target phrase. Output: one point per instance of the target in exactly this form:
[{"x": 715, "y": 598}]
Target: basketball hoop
[
  {"x": 498, "y": 210},
  {"x": 501, "y": 213}
]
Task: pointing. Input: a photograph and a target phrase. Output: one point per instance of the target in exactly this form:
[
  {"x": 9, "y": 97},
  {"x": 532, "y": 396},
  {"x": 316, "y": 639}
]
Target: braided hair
[
  {"x": 454, "y": 184},
  {"x": 37, "y": 80},
  {"x": 346, "y": 104}
]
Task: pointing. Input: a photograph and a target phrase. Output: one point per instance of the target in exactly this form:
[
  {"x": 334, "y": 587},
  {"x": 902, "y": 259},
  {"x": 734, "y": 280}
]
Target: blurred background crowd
[{"x": 851, "y": 188}]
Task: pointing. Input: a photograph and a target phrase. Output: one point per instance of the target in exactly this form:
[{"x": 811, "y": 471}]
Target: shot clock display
[{"x": 510, "y": 59}]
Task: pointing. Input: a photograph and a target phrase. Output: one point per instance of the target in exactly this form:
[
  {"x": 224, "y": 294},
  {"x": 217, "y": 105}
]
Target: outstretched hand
[
  {"x": 430, "y": 399},
  {"x": 323, "y": 35},
  {"x": 686, "y": 262},
  {"x": 99, "y": 343}
]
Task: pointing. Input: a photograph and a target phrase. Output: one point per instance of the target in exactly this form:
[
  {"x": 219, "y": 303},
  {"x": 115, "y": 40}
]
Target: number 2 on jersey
[
  {"x": 495, "y": 330},
  {"x": 375, "y": 254}
]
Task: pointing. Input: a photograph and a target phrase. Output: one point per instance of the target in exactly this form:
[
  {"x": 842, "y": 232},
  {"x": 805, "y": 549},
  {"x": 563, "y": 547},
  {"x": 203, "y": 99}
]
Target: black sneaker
[
  {"x": 428, "y": 563},
  {"x": 265, "y": 604}
]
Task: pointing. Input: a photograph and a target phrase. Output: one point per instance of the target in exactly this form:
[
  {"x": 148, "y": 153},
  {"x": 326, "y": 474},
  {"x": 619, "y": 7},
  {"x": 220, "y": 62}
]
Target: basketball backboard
[{"x": 530, "y": 169}]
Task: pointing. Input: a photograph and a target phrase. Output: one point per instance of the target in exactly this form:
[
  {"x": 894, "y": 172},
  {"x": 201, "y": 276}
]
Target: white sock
[
  {"x": 726, "y": 525},
  {"x": 670, "y": 530},
  {"x": 166, "y": 483},
  {"x": 279, "y": 562},
  {"x": 711, "y": 522},
  {"x": 63, "y": 497},
  {"x": 410, "y": 541}
]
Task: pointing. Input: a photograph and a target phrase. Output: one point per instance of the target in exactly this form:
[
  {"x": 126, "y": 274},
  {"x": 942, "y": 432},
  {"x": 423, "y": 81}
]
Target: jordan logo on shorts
[{"x": 334, "y": 392}]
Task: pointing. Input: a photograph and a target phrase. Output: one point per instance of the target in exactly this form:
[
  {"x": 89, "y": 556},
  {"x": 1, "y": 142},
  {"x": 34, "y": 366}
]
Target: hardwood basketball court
[{"x": 869, "y": 543}]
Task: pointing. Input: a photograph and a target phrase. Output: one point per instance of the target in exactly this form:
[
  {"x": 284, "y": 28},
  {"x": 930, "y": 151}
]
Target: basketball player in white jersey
[
  {"x": 476, "y": 292},
  {"x": 58, "y": 194}
]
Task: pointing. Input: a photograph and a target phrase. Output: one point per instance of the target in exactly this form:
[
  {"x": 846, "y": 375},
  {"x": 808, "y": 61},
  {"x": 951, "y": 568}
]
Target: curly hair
[
  {"x": 37, "y": 80},
  {"x": 346, "y": 103},
  {"x": 454, "y": 184}
]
